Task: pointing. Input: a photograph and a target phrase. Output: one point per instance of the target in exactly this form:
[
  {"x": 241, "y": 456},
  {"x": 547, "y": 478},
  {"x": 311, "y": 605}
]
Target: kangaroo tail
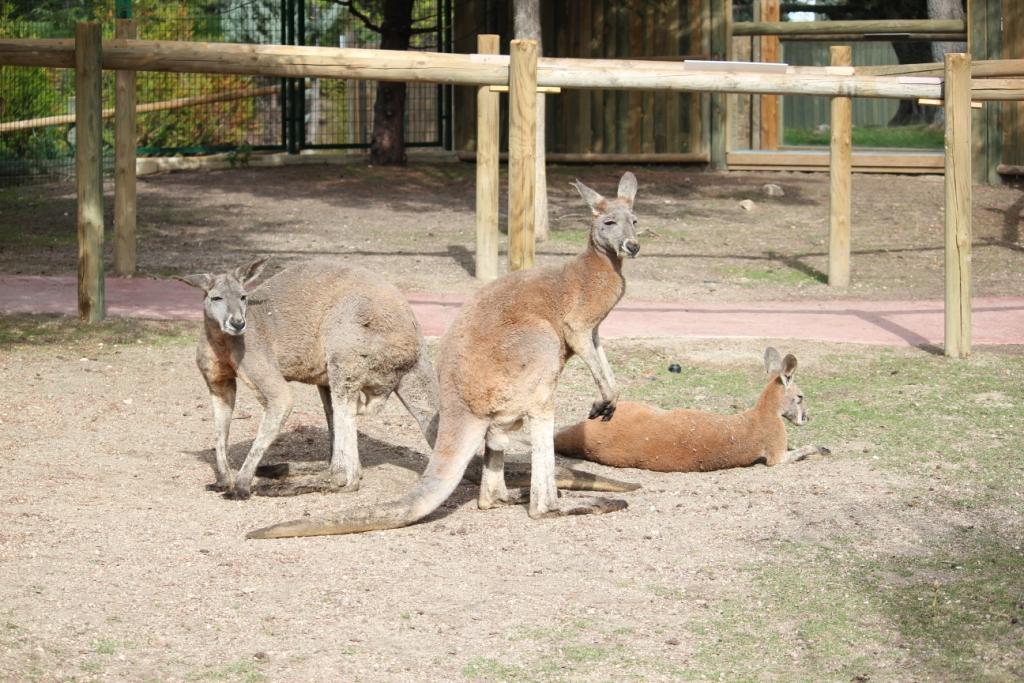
[
  {"x": 419, "y": 393},
  {"x": 443, "y": 473},
  {"x": 517, "y": 475}
]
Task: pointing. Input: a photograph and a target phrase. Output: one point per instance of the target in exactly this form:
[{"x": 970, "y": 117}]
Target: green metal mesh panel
[{"x": 333, "y": 113}]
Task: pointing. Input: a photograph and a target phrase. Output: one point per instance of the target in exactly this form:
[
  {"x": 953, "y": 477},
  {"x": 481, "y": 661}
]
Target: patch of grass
[
  {"x": 243, "y": 670},
  {"x": 106, "y": 647},
  {"x": 574, "y": 236},
  {"x": 488, "y": 669},
  {"x": 825, "y": 613},
  {"x": 912, "y": 137},
  {"x": 50, "y": 330}
]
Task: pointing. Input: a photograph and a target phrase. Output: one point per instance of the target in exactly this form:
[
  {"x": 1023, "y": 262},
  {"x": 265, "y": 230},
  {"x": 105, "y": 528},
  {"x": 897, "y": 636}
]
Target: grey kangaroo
[
  {"x": 321, "y": 323},
  {"x": 498, "y": 367}
]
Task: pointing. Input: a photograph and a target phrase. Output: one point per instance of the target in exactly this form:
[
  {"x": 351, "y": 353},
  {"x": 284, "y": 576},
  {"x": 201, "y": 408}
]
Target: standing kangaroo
[
  {"x": 319, "y": 323},
  {"x": 499, "y": 365},
  {"x": 682, "y": 440}
]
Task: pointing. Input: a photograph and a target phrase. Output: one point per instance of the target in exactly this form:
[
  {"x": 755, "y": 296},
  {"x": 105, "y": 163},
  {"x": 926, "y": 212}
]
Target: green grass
[
  {"x": 50, "y": 330},
  {"x": 242, "y": 670},
  {"x": 949, "y": 607},
  {"x": 911, "y": 137}
]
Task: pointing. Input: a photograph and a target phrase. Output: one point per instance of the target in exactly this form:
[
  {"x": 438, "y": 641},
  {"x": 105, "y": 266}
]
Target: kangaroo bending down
[
  {"x": 320, "y": 323},
  {"x": 649, "y": 438},
  {"x": 498, "y": 367}
]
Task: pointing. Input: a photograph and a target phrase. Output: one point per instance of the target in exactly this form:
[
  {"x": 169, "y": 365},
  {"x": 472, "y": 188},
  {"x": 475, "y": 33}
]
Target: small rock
[
  {"x": 261, "y": 655},
  {"x": 675, "y": 368},
  {"x": 773, "y": 190},
  {"x": 672, "y": 641},
  {"x": 747, "y": 205}
]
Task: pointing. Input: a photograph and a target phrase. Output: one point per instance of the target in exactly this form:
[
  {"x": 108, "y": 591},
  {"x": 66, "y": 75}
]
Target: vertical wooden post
[
  {"x": 984, "y": 41},
  {"x": 721, "y": 37},
  {"x": 770, "y": 52},
  {"x": 840, "y": 175},
  {"x": 124, "y": 163},
  {"x": 89, "y": 170},
  {"x": 522, "y": 149},
  {"x": 958, "y": 205},
  {"x": 487, "y": 143}
]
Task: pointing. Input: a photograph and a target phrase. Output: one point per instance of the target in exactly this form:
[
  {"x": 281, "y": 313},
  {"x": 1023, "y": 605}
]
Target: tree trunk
[
  {"x": 909, "y": 111},
  {"x": 387, "y": 147},
  {"x": 526, "y": 26},
  {"x": 944, "y": 9}
]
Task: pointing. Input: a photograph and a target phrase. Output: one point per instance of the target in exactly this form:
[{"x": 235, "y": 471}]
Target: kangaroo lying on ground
[
  {"x": 499, "y": 365},
  {"x": 319, "y": 323},
  {"x": 683, "y": 440}
]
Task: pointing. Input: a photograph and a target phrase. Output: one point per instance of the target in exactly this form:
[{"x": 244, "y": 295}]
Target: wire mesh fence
[{"x": 204, "y": 113}]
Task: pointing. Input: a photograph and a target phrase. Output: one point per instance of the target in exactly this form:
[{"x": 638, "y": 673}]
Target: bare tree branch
[{"x": 350, "y": 5}]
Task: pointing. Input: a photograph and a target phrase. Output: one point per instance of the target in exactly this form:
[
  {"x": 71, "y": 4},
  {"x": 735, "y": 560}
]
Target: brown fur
[
  {"x": 498, "y": 366},
  {"x": 683, "y": 440},
  {"x": 319, "y": 323}
]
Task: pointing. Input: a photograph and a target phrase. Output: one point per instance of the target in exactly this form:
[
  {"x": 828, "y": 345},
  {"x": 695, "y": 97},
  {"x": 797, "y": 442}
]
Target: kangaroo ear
[
  {"x": 772, "y": 360},
  {"x": 627, "y": 187},
  {"x": 249, "y": 272},
  {"x": 201, "y": 281},
  {"x": 788, "y": 368},
  {"x": 597, "y": 203}
]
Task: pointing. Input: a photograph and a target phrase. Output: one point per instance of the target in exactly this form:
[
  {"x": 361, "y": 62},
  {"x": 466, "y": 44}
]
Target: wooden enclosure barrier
[
  {"x": 124, "y": 163},
  {"x": 958, "y": 206},
  {"x": 523, "y": 72},
  {"x": 89, "y": 170},
  {"x": 487, "y": 186},
  {"x": 840, "y": 174},
  {"x": 522, "y": 151}
]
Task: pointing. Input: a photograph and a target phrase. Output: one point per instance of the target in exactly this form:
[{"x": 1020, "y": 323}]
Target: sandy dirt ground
[
  {"x": 118, "y": 565},
  {"x": 416, "y": 226}
]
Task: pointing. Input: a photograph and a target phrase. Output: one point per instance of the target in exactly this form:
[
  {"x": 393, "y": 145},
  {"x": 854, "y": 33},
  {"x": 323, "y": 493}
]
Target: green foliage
[{"x": 913, "y": 137}]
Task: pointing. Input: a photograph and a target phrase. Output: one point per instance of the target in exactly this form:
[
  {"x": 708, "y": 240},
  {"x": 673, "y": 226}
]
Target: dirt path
[{"x": 118, "y": 565}]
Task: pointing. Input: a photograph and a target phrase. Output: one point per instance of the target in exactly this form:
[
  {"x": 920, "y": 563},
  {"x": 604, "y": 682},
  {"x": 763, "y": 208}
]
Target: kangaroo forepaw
[
  {"x": 238, "y": 494},
  {"x": 602, "y": 409},
  {"x": 582, "y": 506}
]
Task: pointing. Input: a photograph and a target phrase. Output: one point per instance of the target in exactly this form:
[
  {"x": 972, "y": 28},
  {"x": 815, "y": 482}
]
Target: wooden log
[
  {"x": 124, "y": 163},
  {"x": 545, "y": 90},
  {"x": 605, "y": 158},
  {"x": 989, "y": 68},
  {"x": 487, "y": 191},
  {"x": 164, "y": 105},
  {"x": 721, "y": 12},
  {"x": 770, "y": 52},
  {"x": 810, "y": 28},
  {"x": 615, "y": 74},
  {"x": 958, "y": 206},
  {"x": 875, "y": 37},
  {"x": 1010, "y": 169},
  {"x": 522, "y": 146},
  {"x": 840, "y": 179},
  {"x": 89, "y": 170},
  {"x": 938, "y": 103}
]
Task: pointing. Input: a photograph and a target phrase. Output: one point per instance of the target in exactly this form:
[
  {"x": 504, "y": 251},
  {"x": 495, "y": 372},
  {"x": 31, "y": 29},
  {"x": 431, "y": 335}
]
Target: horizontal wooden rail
[
  {"x": 810, "y": 28},
  {"x": 475, "y": 69},
  {"x": 164, "y": 105},
  {"x": 873, "y": 37},
  {"x": 990, "y": 68}
]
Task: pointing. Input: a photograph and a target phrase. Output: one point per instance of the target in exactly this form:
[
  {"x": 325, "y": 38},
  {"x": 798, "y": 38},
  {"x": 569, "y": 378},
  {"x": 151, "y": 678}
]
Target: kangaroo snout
[
  {"x": 235, "y": 325},
  {"x": 631, "y": 247}
]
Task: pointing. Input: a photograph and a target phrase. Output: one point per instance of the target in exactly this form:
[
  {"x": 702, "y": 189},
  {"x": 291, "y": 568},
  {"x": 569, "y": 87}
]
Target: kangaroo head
[
  {"x": 613, "y": 229},
  {"x": 225, "y": 301},
  {"x": 792, "y": 406}
]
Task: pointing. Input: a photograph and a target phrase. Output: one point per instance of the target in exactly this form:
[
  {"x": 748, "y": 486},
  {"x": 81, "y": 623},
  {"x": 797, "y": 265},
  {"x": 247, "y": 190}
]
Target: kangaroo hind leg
[
  {"x": 493, "y": 489},
  {"x": 543, "y": 492}
]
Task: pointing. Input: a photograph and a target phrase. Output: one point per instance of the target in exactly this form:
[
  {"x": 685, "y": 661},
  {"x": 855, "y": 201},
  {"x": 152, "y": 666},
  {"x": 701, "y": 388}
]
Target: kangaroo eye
[
  {"x": 216, "y": 298},
  {"x": 800, "y": 398},
  {"x": 609, "y": 222},
  {"x": 244, "y": 297}
]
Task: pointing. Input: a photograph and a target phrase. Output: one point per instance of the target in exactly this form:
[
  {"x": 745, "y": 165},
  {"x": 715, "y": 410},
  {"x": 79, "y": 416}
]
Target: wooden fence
[{"x": 524, "y": 73}]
